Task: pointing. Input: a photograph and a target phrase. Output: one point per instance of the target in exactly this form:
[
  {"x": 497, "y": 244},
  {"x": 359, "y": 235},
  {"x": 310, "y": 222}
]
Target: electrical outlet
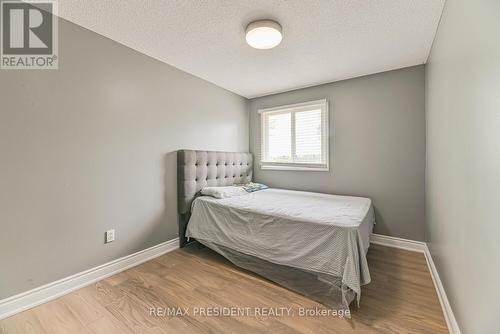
[{"x": 110, "y": 236}]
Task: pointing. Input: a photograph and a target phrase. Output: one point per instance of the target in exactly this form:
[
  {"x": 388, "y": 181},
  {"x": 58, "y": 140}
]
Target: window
[{"x": 295, "y": 137}]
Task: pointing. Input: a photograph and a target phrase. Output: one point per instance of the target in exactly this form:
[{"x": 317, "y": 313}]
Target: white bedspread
[{"x": 320, "y": 233}]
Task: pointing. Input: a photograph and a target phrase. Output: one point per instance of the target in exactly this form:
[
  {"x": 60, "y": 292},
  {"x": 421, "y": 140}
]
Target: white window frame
[{"x": 296, "y": 166}]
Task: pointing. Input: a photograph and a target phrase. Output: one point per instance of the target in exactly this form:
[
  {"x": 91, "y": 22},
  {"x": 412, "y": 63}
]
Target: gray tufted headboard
[{"x": 198, "y": 169}]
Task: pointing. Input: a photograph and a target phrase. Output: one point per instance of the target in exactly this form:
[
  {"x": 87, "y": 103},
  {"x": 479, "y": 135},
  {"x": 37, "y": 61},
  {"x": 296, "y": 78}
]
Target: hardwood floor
[{"x": 400, "y": 299}]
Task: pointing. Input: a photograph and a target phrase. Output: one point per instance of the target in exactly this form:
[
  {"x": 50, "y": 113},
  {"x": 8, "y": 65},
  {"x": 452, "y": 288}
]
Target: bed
[{"x": 312, "y": 243}]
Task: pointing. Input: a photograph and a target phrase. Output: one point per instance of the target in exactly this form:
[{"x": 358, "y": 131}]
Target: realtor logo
[{"x": 29, "y": 38}]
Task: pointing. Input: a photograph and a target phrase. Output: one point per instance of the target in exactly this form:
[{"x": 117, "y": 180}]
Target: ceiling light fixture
[{"x": 264, "y": 34}]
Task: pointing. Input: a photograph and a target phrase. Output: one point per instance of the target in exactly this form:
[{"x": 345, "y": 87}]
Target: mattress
[{"x": 317, "y": 233}]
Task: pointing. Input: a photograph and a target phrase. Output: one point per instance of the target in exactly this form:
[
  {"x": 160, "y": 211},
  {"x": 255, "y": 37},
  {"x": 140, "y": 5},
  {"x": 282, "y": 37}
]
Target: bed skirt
[{"x": 323, "y": 288}]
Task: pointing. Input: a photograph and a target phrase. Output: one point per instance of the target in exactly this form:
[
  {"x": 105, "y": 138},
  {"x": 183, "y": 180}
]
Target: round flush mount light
[{"x": 264, "y": 34}]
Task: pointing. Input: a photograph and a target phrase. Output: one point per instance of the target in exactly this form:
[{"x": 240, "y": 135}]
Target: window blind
[{"x": 295, "y": 136}]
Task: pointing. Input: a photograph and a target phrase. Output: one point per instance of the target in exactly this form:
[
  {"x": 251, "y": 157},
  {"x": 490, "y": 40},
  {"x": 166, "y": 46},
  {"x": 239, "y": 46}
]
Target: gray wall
[
  {"x": 377, "y": 146},
  {"x": 90, "y": 147},
  {"x": 463, "y": 160}
]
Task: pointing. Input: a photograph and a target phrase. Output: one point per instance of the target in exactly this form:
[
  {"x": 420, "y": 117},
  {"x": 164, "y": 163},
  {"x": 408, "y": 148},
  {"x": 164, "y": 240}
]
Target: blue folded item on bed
[{"x": 252, "y": 186}]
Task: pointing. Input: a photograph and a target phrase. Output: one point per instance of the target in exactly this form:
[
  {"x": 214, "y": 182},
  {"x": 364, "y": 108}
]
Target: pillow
[{"x": 223, "y": 192}]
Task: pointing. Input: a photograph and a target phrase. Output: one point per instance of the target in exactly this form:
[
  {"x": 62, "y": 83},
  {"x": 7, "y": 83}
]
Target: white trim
[
  {"x": 293, "y": 106},
  {"x": 313, "y": 168},
  {"x": 410, "y": 245},
  {"x": 45, "y": 293},
  {"x": 421, "y": 247},
  {"x": 451, "y": 321}
]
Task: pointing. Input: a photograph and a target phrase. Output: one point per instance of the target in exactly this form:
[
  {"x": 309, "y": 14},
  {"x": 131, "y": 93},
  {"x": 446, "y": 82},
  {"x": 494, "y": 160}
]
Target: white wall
[
  {"x": 377, "y": 146},
  {"x": 90, "y": 147},
  {"x": 463, "y": 160}
]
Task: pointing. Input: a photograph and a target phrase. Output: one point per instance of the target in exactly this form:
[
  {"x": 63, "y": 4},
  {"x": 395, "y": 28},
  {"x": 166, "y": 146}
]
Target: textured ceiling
[{"x": 324, "y": 40}]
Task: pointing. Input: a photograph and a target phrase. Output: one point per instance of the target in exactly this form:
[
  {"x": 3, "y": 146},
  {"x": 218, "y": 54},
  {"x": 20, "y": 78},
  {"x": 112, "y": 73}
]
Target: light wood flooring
[{"x": 400, "y": 299}]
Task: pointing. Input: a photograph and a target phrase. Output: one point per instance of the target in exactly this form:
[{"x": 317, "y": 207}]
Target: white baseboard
[
  {"x": 45, "y": 293},
  {"x": 421, "y": 247},
  {"x": 411, "y": 245},
  {"x": 451, "y": 321}
]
